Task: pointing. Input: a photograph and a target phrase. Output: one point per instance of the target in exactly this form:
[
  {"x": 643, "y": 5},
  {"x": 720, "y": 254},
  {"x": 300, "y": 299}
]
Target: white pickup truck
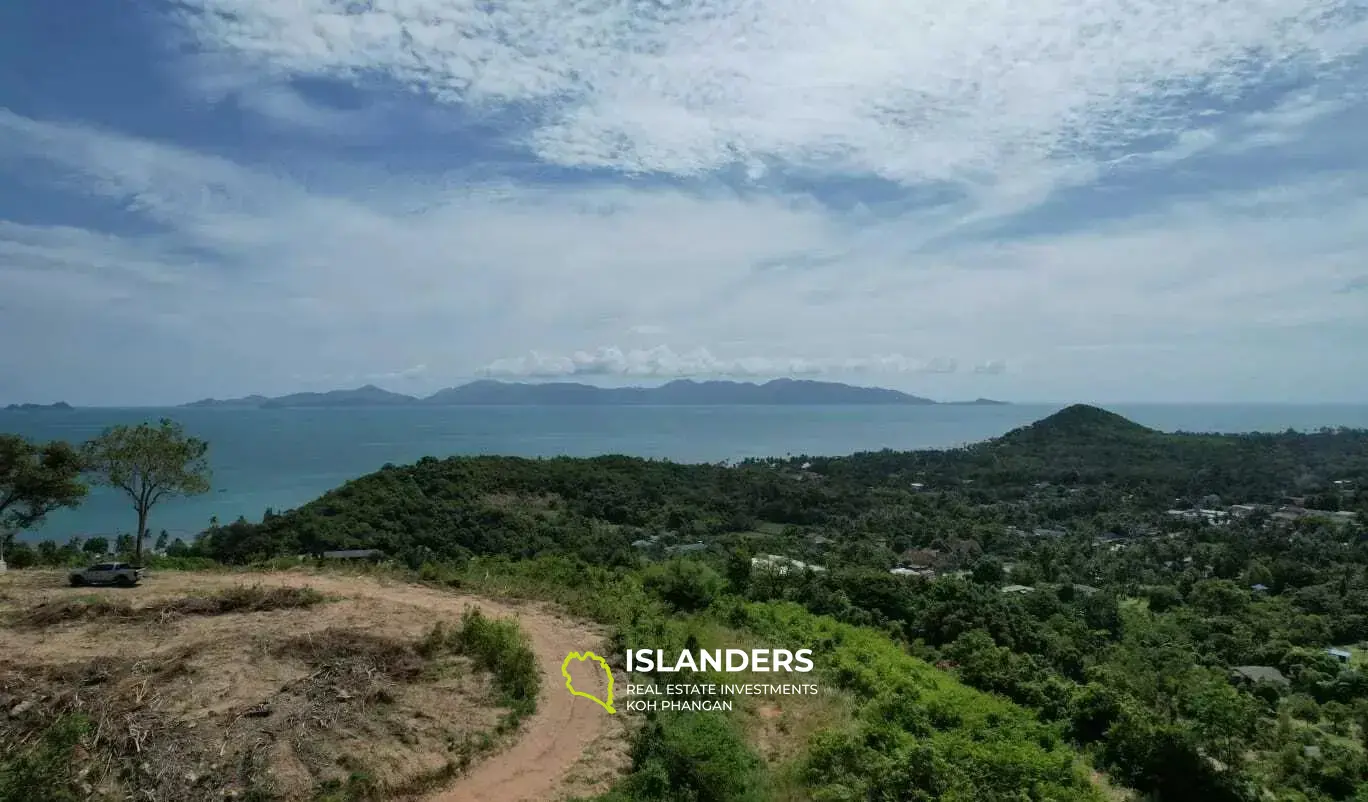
[{"x": 121, "y": 574}]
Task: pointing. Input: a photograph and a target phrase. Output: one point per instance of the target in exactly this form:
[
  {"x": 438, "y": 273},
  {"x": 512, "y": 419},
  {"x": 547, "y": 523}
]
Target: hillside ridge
[{"x": 680, "y": 392}]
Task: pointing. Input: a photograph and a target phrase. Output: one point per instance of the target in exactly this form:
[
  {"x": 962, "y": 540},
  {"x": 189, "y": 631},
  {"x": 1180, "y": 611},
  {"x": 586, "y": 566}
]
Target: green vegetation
[
  {"x": 1082, "y": 592},
  {"x": 44, "y": 770},
  {"x": 148, "y": 464},
  {"x": 921, "y": 728},
  {"x": 35, "y": 479},
  {"x": 979, "y": 746},
  {"x": 500, "y": 647},
  {"x": 693, "y": 757}
]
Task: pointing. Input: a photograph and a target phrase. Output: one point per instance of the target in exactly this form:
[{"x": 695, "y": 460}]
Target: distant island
[
  {"x": 682, "y": 392},
  {"x": 60, "y": 406}
]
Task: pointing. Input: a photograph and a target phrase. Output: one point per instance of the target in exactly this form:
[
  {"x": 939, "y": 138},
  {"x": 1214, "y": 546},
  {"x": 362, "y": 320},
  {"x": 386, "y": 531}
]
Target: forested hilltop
[
  {"x": 1189, "y": 610},
  {"x": 1084, "y": 470}
]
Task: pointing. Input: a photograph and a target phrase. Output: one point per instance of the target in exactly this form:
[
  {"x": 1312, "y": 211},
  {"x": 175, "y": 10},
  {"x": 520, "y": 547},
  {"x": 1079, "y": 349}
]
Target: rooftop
[
  {"x": 352, "y": 554},
  {"x": 1260, "y": 674}
]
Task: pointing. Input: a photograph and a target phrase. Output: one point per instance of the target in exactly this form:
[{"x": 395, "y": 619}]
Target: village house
[
  {"x": 781, "y": 565},
  {"x": 353, "y": 554},
  {"x": 923, "y": 573},
  {"x": 1249, "y": 675},
  {"x": 687, "y": 548}
]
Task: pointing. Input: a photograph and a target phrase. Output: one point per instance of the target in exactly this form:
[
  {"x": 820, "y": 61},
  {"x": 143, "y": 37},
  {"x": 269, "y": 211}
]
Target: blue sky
[{"x": 1150, "y": 200}]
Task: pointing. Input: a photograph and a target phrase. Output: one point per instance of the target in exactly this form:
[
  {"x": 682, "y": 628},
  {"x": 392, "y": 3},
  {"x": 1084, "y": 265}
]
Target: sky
[{"x": 1032, "y": 200}]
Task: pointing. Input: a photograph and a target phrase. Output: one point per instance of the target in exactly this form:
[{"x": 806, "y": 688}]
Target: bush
[
  {"x": 441, "y": 574},
  {"x": 685, "y": 585},
  {"x": 498, "y": 646},
  {"x": 691, "y": 757},
  {"x": 168, "y": 563},
  {"x": 20, "y": 555}
]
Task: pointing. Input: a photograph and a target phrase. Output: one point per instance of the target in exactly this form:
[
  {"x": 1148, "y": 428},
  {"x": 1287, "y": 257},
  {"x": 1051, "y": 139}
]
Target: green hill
[
  {"x": 1075, "y": 423},
  {"x": 466, "y": 506}
]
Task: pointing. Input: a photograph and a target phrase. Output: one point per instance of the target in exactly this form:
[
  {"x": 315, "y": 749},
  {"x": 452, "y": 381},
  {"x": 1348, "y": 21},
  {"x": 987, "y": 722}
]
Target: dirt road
[{"x": 570, "y": 746}]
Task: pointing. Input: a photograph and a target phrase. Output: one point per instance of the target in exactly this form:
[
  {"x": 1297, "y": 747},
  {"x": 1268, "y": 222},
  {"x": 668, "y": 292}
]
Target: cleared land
[{"x": 303, "y": 685}]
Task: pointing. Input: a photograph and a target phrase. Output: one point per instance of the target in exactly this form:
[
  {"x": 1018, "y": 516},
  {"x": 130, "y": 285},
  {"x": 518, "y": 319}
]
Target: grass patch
[
  {"x": 242, "y": 599},
  {"x": 100, "y": 706},
  {"x": 498, "y": 646},
  {"x": 43, "y": 769}
]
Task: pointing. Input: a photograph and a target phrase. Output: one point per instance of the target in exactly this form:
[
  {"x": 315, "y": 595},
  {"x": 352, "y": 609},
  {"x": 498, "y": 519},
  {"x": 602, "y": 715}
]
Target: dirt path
[
  {"x": 569, "y": 747},
  {"x": 565, "y": 736}
]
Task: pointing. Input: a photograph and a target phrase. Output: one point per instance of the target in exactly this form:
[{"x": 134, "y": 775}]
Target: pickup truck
[{"x": 121, "y": 574}]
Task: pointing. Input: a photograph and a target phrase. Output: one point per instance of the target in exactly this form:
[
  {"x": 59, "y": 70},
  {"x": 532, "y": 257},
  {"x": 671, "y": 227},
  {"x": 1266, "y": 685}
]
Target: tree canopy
[
  {"x": 35, "y": 479},
  {"x": 148, "y": 463}
]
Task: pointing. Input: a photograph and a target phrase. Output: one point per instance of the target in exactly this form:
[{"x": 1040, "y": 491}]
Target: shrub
[
  {"x": 691, "y": 757},
  {"x": 44, "y": 771},
  {"x": 498, "y": 646},
  {"x": 685, "y": 585}
]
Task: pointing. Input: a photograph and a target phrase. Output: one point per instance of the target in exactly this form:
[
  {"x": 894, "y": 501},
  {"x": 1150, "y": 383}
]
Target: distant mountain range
[
  {"x": 57, "y": 407},
  {"x": 683, "y": 392}
]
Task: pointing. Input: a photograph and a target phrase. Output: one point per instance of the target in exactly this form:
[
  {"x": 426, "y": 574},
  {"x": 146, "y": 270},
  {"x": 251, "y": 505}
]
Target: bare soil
[{"x": 197, "y": 702}]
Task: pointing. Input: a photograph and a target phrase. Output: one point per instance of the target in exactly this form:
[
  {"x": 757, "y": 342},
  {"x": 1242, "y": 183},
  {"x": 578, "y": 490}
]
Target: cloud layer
[
  {"x": 1140, "y": 200},
  {"x": 662, "y": 362},
  {"x": 976, "y": 91}
]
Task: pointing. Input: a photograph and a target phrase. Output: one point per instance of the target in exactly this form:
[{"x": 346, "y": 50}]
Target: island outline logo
[{"x": 570, "y": 685}]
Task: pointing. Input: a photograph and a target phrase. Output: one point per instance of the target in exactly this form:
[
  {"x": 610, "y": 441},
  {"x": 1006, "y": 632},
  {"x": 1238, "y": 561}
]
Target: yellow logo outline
[{"x": 569, "y": 685}]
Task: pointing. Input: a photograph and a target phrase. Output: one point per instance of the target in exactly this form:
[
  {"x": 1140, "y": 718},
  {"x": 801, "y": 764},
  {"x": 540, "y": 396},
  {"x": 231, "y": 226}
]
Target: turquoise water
[{"x": 282, "y": 458}]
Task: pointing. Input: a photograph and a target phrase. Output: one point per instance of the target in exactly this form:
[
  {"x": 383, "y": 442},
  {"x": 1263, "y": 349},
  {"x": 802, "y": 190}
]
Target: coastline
[{"x": 282, "y": 458}]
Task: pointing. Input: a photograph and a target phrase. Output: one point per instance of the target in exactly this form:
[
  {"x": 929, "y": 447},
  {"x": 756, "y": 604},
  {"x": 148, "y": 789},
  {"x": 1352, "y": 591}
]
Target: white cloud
[
  {"x": 347, "y": 380},
  {"x": 222, "y": 80},
  {"x": 241, "y": 279},
  {"x": 1009, "y": 97},
  {"x": 662, "y": 362}
]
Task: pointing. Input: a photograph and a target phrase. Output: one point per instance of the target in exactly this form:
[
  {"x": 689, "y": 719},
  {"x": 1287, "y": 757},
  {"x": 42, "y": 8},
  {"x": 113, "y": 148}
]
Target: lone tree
[
  {"x": 35, "y": 479},
  {"x": 148, "y": 463}
]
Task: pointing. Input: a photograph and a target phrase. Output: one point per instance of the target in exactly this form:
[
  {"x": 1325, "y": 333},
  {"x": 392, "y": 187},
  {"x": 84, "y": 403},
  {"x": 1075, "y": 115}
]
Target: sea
[{"x": 282, "y": 458}]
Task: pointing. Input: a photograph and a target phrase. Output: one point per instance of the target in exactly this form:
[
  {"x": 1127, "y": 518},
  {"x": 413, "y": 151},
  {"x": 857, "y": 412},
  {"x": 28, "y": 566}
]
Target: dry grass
[
  {"x": 264, "y": 703},
  {"x": 316, "y": 703},
  {"x": 241, "y": 599}
]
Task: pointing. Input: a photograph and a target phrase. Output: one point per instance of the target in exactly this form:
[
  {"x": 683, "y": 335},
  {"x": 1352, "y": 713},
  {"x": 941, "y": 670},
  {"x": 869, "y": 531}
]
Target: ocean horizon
[{"x": 282, "y": 458}]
